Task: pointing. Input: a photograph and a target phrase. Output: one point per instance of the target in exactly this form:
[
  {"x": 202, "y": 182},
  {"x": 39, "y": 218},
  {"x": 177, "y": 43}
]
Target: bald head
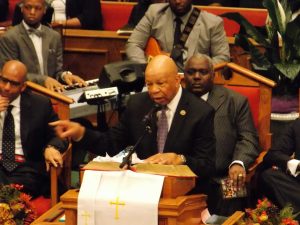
[
  {"x": 162, "y": 79},
  {"x": 13, "y": 77}
]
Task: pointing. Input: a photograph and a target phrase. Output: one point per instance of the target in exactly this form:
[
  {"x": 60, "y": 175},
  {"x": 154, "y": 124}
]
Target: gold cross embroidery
[
  {"x": 86, "y": 217},
  {"x": 117, "y": 203}
]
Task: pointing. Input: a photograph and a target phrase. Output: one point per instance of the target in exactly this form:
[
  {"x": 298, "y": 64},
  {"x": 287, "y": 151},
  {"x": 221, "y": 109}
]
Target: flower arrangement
[
  {"x": 267, "y": 213},
  {"x": 15, "y": 206},
  {"x": 281, "y": 37}
]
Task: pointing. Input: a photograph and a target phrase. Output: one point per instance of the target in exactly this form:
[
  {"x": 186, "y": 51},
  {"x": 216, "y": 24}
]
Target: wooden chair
[
  {"x": 61, "y": 106},
  {"x": 258, "y": 90}
]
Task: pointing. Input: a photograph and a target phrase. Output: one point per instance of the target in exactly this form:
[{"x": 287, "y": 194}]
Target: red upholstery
[
  {"x": 115, "y": 15},
  {"x": 11, "y": 8},
  {"x": 257, "y": 17},
  {"x": 253, "y": 95},
  {"x": 41, "y": 204}
]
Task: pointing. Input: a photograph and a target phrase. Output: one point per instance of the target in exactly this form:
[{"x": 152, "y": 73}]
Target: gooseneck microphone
[{"x": 148, "y": 130}]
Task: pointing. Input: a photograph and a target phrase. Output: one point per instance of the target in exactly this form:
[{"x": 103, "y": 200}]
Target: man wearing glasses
[
  {"x": 236, "y": 138},
  {"x": 26, "y": 140}
]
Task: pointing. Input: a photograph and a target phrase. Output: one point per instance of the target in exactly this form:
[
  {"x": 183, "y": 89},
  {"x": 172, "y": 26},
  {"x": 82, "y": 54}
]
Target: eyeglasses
[
  {"x": 193, "y": 71},
  {"x": 12, "y": 82}
]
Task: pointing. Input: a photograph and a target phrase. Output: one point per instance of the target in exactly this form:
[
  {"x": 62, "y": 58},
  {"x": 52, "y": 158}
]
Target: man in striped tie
[{"x": 186, "y": 136}]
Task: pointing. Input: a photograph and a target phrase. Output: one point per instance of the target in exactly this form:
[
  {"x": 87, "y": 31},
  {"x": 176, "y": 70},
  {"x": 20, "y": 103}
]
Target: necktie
[
  {"x": 35, "y": 31},
  {"x": 177, "y": 32},
  {"x": 8, "y": 141},
  {"x": 162, "y": 130}
]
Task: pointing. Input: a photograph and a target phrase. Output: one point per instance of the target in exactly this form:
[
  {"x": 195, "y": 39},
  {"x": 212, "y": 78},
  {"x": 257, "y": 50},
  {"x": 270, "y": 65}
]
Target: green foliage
[{"x": 281, "y": 41}]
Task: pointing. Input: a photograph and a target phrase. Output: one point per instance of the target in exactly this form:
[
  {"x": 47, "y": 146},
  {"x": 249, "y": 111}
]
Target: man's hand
[
  {"x": 4, "y": 102},
  {"x": 165, "y": 159},
  {"x": 52, "y": 156},
  {"x": 67, "y": 129},
  {"x": 71, "y": 79},
  {"x": 238, "y": 174},
  {"x": 53, "y": 85}
]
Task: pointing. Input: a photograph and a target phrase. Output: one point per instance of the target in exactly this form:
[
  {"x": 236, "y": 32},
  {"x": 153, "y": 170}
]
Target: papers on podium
[{"x": 119, "y": 197}]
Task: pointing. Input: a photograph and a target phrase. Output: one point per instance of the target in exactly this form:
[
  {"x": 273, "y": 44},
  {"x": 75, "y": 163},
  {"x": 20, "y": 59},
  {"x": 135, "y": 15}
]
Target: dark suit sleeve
[
  {"x": 283, "y": 149},
  {"x": 88, "y": 13},
  {"x": 202, "y": 159},
  {"x": 246, "y": 147}
]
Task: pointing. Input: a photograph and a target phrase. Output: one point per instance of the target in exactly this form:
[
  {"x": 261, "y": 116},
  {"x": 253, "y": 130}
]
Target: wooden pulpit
[{"x": 175, "y": 207}]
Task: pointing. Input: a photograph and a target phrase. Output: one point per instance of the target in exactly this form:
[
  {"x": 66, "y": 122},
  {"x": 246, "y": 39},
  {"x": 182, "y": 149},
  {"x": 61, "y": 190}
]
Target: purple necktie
[{"x": 162, "y": 129}]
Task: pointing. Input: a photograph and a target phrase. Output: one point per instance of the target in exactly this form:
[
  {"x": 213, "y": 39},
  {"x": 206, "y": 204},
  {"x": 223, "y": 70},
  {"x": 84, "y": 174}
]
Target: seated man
[
  {"x": 181, "y": 130},
  {"x": 236, "y": 138},
  {"x": 27, "y": 141},
  {"x": 160, "y": 21},
  {"x": 280, "y": 182},
  {"x": 38, "y": 47}
]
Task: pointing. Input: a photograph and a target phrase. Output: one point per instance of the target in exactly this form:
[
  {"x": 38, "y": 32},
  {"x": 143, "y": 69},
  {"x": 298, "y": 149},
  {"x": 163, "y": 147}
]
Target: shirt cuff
[
  {"x": 292, "y": 167},
  {"x": 65, "y": 73},
  {"x": 237, "y": 162}
]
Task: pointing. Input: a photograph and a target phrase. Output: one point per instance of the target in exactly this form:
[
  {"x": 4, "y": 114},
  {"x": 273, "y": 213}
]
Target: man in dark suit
[
  {"x": 190, "y": 137},
  {"x": 38, "y": 47},
  {"x": 236, "y": 138},
  {"x": 280, "y": 182},
  {"x": 33, "y": 142},
  {"x": 207, "y": 35}
]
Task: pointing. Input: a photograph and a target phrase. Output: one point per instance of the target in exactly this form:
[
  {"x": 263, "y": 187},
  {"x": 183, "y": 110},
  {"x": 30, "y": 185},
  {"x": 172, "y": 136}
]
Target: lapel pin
[{"x": 182, "y": 112}]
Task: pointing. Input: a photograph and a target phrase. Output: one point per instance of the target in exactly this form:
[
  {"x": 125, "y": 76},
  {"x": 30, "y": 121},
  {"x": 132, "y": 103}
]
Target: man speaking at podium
[{"x": 179, "y": 131}]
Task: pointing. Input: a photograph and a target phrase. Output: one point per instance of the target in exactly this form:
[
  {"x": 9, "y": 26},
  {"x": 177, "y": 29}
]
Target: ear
[{"x": 23, "y": 87}]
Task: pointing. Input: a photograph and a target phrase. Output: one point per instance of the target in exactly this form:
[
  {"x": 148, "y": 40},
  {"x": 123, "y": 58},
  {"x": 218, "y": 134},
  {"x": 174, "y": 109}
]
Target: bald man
[
  {"x": 22, "y": 161},
  {"x": 190, "y": 139}
]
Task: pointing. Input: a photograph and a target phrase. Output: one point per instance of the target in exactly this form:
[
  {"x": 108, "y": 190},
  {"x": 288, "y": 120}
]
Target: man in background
[
  {"x": 280, "y": 182},
  {"x": 181, "y": 124},
  {"x": 236, "y": 138},
  {"x": 38, "y": 47},
  {"x": 27, "y": 142},
  {"x": 162, "y": 20}
]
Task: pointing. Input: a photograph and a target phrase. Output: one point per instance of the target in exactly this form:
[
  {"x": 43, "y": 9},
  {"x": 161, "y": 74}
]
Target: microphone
[
  {"x": 131, "y": 149},
  {"x": 147, "y": 118}
]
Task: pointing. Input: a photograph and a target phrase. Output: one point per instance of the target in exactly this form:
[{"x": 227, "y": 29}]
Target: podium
[{"x": 175, "y": 207}]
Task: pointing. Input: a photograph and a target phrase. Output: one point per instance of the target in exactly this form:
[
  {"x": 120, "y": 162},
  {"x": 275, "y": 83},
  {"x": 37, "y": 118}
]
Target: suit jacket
[
  {"x": 191, "y": 133},
  {"x": 36, "y": 134},
  {"x": 236, "y": 136},
  {"x": 207, "y": 36},
  {"x": 88, "y": 12},
  {"x": 16, "y": 44},
  {"x": 285, "y": 147}
]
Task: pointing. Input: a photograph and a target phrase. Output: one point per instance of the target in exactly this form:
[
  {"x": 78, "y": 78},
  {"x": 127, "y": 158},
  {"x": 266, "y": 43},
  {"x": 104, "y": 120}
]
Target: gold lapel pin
[{"x": 182, "y": 112}]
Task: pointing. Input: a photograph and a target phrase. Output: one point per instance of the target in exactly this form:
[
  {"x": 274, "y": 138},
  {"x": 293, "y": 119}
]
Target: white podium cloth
[{"x": 119, "y": 198}]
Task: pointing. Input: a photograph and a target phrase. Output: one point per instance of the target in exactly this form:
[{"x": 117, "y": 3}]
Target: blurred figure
[
  {"x": 236, "y": 138},
  {"x": 165, "y": 22},
  {"x": 80, "y": 14},
  {"x": 280, "y": 182},
  {"x": 38, "y": 47}
]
